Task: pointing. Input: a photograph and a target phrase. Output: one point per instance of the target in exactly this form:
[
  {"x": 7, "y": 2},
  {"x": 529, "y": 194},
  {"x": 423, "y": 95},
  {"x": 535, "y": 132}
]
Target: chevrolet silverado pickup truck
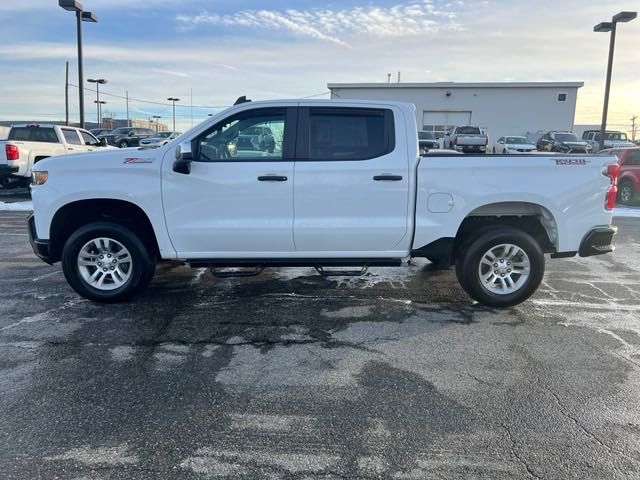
[
  {"x": 27, "y": 144},
  {"x": 466, "y": 140},
  {"x": 344, "y": 187}
]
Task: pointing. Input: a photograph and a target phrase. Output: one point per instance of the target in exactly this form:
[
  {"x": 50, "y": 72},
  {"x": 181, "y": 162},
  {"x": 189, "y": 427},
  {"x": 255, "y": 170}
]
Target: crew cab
[
  {"x": 27, "y": 144},
  {"x": 344, "y": 187},
  {"x": 466, "y": 139}
]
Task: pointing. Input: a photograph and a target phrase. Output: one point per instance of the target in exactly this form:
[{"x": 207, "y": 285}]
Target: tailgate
[{"x": 471, "y": 140}]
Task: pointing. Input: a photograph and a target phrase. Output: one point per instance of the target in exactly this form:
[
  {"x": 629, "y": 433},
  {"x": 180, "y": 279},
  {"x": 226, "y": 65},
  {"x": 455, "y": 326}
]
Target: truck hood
[{"x": 105, "y": 160}]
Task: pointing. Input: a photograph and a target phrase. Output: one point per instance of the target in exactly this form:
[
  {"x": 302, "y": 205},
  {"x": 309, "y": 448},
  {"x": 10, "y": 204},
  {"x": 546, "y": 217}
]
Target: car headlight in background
[{"x": 39, "y": 177}]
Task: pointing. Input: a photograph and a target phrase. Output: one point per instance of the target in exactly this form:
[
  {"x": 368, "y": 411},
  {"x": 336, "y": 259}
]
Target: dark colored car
[
  {"x": 98, "y": 132},
  {"x": 124, "y": 137},
  {"x": 563, "y": 142},
  {"x": 427, "y": 141},
  {"x": 629, "y": 179},
  {"x": 261, "y": 138}
]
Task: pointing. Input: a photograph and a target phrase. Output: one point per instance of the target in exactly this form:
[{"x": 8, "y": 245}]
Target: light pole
[
  {"x": 99, "y": 104},
  {"x": 98, "y": 82},
  {"x": 157, "y": 117},
  {"x": 174, "y": 100},
  {"x": 610, "y": 27},
  {"x": 81, "y": 16}
]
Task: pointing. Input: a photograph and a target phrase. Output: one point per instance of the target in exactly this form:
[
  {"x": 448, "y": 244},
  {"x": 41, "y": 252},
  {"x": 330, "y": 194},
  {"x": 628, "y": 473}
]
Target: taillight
[
  {"x": 612, "y": 171},
  {"x": 12, "y": 152}
]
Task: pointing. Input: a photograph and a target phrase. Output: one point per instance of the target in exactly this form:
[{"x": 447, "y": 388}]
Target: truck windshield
[
  {"x": 468, "y": 130},
  {"x": 33, "y": 134}
]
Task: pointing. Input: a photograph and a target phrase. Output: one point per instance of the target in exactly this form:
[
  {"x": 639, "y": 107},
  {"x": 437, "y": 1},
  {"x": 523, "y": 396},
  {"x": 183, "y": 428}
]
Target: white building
[{"x": 527, "y": 108}]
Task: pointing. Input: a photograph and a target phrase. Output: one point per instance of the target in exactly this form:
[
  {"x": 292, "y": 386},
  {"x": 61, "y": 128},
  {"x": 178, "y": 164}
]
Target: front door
[
  {"x": 237, "y": 201},
  {"x": 351, "y": 187}
]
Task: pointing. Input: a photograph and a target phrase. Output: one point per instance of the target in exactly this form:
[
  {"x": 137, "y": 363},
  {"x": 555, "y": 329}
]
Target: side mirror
[
  {"x": 102, "y": 142},
  {"x": 132, "y": 133},
  {"x": 184, "y": 157}
]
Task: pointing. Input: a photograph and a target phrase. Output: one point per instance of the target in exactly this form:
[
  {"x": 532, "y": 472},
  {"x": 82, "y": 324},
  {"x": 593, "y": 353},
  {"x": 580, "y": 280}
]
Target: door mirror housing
[
  {"x": 184, "y": 157},
  {"x": 132, "y": 133}
]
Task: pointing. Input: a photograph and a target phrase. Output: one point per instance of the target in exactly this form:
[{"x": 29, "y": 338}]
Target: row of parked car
[
  {"x": 470, "y": 139},
  {"x": 124, "y": 137}
]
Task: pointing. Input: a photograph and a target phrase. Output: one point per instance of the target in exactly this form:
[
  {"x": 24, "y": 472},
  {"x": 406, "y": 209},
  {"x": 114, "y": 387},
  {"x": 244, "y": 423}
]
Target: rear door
[{"x": 351, "y": 189}]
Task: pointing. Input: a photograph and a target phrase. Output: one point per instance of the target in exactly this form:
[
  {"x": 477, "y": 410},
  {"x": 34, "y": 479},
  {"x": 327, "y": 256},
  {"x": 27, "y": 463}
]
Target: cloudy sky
[{"x": 221, "y": 49}]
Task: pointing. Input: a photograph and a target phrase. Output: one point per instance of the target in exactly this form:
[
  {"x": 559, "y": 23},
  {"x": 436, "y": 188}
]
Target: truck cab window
[
  {"x": 71, "y": 136},
  {"x": 248, "y": 136}
]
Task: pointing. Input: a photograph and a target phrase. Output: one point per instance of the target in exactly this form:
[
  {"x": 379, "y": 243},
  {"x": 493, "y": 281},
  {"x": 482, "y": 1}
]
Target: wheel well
[
  {"x": 76, "y": 214},
  {"x": 37, "y": 159},
  {"x": 534, "y": 219}
]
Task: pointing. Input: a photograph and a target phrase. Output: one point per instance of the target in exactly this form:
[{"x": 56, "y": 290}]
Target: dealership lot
[{"x": 292, "y": 375}]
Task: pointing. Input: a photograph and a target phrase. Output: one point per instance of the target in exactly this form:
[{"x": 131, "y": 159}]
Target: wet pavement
[{"x": 290, "y": 375}]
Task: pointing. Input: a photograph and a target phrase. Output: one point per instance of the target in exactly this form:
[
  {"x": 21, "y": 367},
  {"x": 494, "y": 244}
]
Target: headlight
[{"x": 39, "y": 177}]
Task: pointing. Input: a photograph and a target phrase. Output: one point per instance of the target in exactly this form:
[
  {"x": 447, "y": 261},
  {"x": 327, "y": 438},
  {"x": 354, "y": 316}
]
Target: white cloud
[{"x": 411, "y": 18}]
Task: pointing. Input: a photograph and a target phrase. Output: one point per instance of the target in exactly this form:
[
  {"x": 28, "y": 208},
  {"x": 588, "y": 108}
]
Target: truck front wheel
[
  {"x": 500, "y": 268},
  {"x": 106, "y": 262}
]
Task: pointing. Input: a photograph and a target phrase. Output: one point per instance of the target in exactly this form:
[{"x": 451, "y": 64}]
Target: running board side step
[
  {"x": 341, "y": 273},
  {"x": 261, "y": 263},
  {"x": 236, "y": 273}
]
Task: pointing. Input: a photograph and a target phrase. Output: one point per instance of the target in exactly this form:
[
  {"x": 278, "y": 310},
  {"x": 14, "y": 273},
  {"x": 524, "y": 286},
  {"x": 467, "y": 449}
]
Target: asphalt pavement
[{"x": 290, "y": 375}]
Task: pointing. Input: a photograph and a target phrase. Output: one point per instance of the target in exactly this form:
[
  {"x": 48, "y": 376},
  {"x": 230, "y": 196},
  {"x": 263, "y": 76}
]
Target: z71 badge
[{"x": 130, "y": 160}]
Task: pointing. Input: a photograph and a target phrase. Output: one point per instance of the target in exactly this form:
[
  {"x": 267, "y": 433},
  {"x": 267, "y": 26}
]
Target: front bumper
[
  {"x": 40, "y": 247},
  {"x": 598, "y": 241}
]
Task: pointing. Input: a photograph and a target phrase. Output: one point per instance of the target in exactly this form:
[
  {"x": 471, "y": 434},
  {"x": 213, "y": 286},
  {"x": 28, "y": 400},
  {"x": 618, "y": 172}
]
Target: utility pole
[
  {"x": 127, "y": 96},
  {"x": 634, "y": 127},
  {"x": 66, "y": 95}
]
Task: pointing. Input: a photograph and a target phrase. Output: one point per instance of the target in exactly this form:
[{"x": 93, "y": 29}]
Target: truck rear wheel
[
  {"x": 500, "y": 268},
  {"x": 106, "y": 262}
]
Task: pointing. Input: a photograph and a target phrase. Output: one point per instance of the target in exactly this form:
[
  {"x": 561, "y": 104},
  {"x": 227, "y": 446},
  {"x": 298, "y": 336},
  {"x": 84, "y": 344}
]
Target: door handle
[
  {"x": 272, "y": 178},
  {"x": 388, "y": 178}
]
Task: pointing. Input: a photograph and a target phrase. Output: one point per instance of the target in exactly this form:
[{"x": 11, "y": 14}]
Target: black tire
[
  {"x": 626, "y": 193},
  {"x": 142, "y": 265},
  {"x": 123, "y": 144},
  {"x": 470, "y": 254}
]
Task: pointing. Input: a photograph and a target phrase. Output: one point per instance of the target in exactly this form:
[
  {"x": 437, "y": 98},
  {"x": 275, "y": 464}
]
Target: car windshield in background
[
  {"x": 468, "y": 131},
  {"x": 120, "y": 131},
  {"x": 426, "y": 136},
  {"x": 567, "y": 137},
  {"x": 33, "y": 134},
  {"x": 517, "y": 140},
  {"x": 163, "y": 135},
  {"x": 616, "y": 136}
]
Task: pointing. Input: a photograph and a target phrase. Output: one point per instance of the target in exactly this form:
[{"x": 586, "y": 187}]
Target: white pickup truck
[
  {"x": 344, "y": 186},
  {"x": 466, "y": 140},
  {"x": 27, "y": 144}
]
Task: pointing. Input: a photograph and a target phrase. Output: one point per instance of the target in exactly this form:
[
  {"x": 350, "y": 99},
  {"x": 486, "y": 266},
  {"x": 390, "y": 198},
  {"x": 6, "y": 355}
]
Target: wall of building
[{"x": 501, "y": 109}]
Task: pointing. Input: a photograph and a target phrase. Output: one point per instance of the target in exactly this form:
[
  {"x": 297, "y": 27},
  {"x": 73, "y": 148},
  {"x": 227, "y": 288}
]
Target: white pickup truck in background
[
  {"x": 466, "y": 139},
  {"x": 343, "y": 185},
  {"x": 27, "y": 144}
]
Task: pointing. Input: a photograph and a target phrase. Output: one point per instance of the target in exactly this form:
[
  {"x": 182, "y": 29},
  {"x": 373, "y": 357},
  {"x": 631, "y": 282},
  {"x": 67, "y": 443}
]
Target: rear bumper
[
  {"x": 6, "y": 170},
  {"x": 40, "y": 247},
  {"x": 598, "y": 241}
]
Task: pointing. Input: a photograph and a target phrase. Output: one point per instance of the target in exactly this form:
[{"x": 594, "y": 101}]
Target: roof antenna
[{"x": 242, "y": 99}]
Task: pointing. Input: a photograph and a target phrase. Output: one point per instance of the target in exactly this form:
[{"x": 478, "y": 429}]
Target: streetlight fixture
[
  {"x": 174, "y": 100},
  {"x": 98, "y": 82},
  {"x": 603, "y": 27},
  {"x": 81, "y": 16},
  {"x": 157, "y": 117}
]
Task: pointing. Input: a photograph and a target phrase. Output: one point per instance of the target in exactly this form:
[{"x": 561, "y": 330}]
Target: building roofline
[{"x": 332, "y": 86}]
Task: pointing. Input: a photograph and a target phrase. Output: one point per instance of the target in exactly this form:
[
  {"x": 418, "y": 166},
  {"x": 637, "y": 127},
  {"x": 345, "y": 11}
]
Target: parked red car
[{"x": 629, "y": 179}]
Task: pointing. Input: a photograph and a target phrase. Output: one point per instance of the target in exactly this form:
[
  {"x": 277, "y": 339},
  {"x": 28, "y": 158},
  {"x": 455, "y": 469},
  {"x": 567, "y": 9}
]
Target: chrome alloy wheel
[
  {"x": 626, "y": 193},
  {"x": 504, "y": 269},
  {"x": 105, "y": 263}
]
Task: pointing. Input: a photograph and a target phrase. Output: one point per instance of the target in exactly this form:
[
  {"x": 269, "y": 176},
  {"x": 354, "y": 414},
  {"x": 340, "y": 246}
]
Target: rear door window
[
  {"x": 330, "y": 133},
  {"x": 633, "y": 158},
  {"x": 33, "y": 134},
  {"x": 71, "y": 136}
]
